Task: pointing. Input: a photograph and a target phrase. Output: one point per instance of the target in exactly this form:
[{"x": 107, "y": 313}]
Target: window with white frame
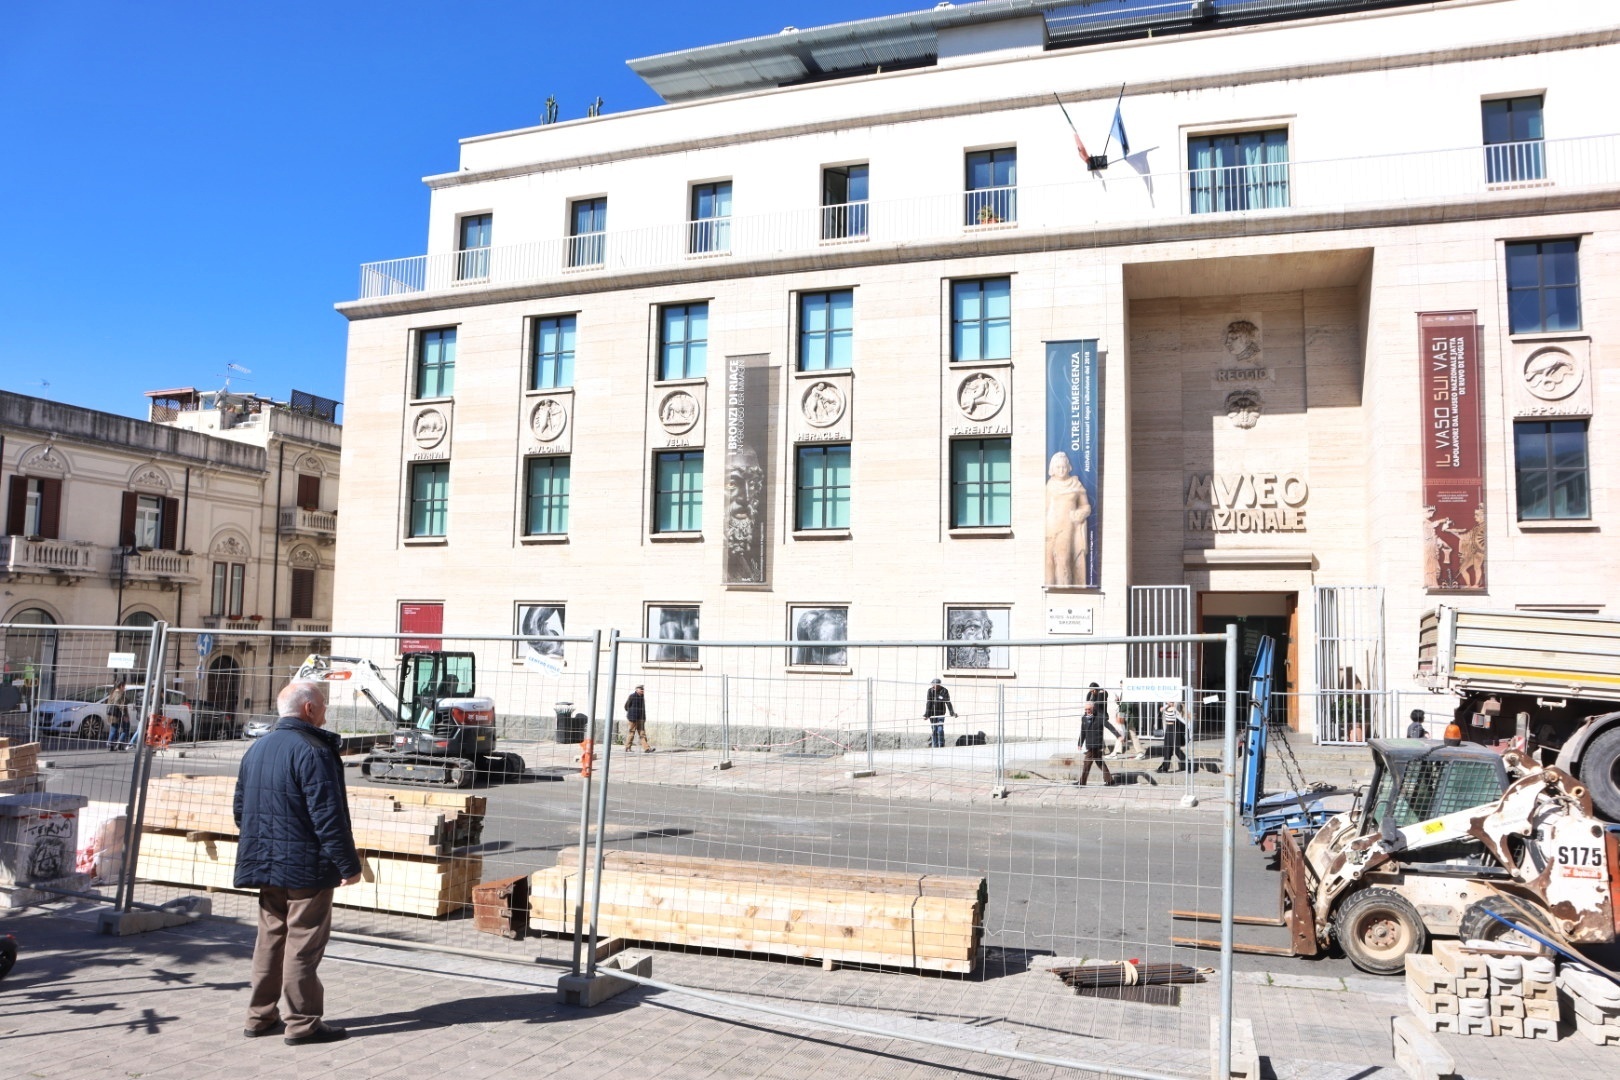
[
  {"x": 472, "y": 247},
  {"x": 1514, "y": 146},
  {"x": 710, "y": 228},
  {"x": 992, "y": 186},
  {"x": 1245, "y": 170}
]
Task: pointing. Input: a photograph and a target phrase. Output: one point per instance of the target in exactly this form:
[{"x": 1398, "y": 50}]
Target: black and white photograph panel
[
  {"x": 672, "y": 622},
  {"x": 978, "y": 628},
  {"x": 823, "y": 626},
  {"x": 539, "y": 624}
]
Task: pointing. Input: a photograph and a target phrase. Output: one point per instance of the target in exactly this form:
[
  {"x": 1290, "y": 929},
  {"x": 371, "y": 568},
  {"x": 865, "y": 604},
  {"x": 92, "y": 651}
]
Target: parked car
[
  {"x": 83, "y": 713},
  {"x": 256, "y": 728}
]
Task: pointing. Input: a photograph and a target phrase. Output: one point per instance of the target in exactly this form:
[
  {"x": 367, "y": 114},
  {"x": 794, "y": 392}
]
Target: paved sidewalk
[{"x": 170, "y": 1004}]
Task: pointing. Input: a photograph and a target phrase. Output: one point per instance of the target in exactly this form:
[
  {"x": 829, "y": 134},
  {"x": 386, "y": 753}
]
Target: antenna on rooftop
[{"x": 232, "y": 370}]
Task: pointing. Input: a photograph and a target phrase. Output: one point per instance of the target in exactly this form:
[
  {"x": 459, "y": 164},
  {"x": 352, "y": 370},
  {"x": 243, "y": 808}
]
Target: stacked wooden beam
[
  {"x": 921, "y": 921},
  {"x": 1595, "y": 1002},
  {"x": 19, "y": 768},
  {"x": 1475, "y": 988},
  {"x": 407, "y": 841}
]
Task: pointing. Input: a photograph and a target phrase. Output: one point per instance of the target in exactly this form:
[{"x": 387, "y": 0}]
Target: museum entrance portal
[{"x": 1257, "y": 615}]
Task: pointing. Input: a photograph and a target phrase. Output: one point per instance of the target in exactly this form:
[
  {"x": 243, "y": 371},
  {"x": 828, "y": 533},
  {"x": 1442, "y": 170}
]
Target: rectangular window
[
  {"x": 1550, "y": 465},
  {"x": 822, "y": 629},
  {"x": 981, "y": 483},
  {"x": 34, "y": 507},
  {"x": 683, "y": 341},
  {"x": 229, "y": 588},
  {"x": 148, "y": 520},
  {"x": 216, "y": 603},
  {"x": 992, "y": 186},
  {"x": 1513, "y": 139},
  {"x": 981, "y": 319},
  {"x": 546, "y": 497},
  {"x": 430, "y": 498},
  {"x": 710, "y": 227},
  {"x": 826, "y": 330},
  {"x": 303, "y": 593},
  {"x": 823, "y": 487},
  {"x": 587, "y": 232},
  {"x": 553, "y": 363},
  {"x": 1543, "y": 286},
  {"x": 238, "y": 590},
  {"x": 672, "y": 623},
  {"x": 436, "y": 363},
  {"x": 843, "y": 202},
  {"x": 309, "y": 492},
  {"x": 472, "y": 247},
  {"x": 678, "y": 491},
  {"x": 1243, "y": 171}
]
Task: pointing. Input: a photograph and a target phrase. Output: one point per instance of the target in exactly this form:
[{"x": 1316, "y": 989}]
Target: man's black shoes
[
  {"x": 270, "y": 1029},
  {"x": 323, "y": 1033}
]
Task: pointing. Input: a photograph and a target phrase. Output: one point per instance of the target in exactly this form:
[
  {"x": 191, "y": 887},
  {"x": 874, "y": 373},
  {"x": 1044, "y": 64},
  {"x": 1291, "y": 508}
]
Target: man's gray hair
[{"x": 290, "y": 702}]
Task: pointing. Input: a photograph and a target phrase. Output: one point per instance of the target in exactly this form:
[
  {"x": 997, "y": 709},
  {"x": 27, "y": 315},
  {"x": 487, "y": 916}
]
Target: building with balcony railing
[
  {"x": 220, "y": 511},
  {"x": 924, "y": 314}
]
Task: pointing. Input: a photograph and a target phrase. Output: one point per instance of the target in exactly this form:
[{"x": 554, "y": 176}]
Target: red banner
[
  {"x": 420, "y": 619},
  {"x": 1453, "y": 452}
]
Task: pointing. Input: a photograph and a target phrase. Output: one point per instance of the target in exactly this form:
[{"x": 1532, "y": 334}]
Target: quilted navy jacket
[{"x": 293, "y": 811}]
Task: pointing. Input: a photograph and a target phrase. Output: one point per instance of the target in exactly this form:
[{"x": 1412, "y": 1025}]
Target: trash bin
[{"x": 570, "y": 724}]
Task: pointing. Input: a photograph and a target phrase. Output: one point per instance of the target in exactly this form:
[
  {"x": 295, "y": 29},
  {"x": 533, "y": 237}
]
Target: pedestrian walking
[
  {"x": 1092, "y": 725},
  {"x": 118, "y": 718},
  {"x": 635, "y": 715},
  {"x": 1417, "y": 729},
  {"x": 937, "y": 704},
  {"x": 1175, "y": 737},
  {"x": 296, "y": 846}
]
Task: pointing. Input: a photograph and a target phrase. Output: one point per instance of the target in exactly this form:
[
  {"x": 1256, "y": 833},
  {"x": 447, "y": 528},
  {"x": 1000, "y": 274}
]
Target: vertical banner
[
  {"x": 748, "y": 416},
  {"x": 1073, "y": 464},
  {"x": 1453, "y": 455}
]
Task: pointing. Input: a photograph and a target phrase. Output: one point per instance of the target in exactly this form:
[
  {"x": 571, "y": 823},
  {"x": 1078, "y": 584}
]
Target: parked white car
[{"x": 83, "y": 713}]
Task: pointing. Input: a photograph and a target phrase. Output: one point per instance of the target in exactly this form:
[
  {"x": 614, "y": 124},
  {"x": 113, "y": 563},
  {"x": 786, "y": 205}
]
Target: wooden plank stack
[
  {"x": 920, "y": 921},
  {"x": 19, "y": 768},
  {"x": 1595, "y": 1002},
  {"x": 407, "y": 840},
  {"x": 1475, "y": 988}
]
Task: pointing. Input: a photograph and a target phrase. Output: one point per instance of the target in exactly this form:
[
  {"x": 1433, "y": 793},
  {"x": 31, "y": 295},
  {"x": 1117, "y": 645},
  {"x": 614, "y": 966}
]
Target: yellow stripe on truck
[{"x": 1558, "y": 678}]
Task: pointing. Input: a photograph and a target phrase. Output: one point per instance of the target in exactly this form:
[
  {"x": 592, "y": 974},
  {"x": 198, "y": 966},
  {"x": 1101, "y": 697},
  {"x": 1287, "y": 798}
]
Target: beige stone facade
[
  {"x": 1263, "y": 386},
  {"x": 197, "y": 517}
]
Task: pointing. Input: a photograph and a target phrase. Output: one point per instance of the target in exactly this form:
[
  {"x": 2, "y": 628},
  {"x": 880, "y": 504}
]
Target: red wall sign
[
  {"x": 1453, "y": 453},
  {"x": 420, "y": 619}
]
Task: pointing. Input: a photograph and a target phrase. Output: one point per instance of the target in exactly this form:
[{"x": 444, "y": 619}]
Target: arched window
[{"x": 29, "y": 655}]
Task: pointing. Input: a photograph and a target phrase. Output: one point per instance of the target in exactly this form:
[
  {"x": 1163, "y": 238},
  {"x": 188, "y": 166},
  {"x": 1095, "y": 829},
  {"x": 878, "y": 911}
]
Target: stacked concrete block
[
  {"x": 1594, "y": 1001},
  {"x": 1474, "y": 993}
]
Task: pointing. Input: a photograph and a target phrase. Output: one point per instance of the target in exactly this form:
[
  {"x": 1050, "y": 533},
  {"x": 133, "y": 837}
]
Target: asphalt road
[{"x": 1066, "y": 881}]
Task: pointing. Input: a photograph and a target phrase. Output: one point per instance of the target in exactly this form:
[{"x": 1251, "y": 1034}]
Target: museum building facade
[{"x": 1017, "y": 320}]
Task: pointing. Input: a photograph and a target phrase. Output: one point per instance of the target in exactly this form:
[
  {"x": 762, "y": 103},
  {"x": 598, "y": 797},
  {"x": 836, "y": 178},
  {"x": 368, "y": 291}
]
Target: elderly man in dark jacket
[{"x": 296, "y": 846}]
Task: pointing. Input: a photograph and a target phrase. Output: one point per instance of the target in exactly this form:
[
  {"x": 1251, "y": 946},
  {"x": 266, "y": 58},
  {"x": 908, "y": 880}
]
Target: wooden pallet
[{"x": 920, "y": 921}]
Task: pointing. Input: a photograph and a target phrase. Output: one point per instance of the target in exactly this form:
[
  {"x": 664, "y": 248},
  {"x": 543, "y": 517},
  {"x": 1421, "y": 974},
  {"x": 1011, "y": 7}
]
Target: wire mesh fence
[{"x": 776, "y": 809}]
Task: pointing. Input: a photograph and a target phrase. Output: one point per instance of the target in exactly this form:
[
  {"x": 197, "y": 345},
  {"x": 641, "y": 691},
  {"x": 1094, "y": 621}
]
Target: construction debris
[
  {"x": 1594, "y": 1001},
  {"x": 1126, "y": 973},
  {"x": 1484, "y": 988},
  {"x": 19, "y": 768}
]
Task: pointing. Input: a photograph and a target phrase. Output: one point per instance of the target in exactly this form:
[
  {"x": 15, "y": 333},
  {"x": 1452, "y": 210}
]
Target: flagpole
[
  {"x": 1117, "y": 100},
  {"x": 1079, "y": 143}
]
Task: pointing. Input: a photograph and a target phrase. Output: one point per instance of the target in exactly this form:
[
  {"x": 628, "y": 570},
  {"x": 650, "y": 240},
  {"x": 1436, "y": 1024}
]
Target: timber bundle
[{"x": 1126, "y": 973}]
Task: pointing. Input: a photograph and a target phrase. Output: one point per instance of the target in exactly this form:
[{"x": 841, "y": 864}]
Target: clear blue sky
[{"x": 191, "y": 184}]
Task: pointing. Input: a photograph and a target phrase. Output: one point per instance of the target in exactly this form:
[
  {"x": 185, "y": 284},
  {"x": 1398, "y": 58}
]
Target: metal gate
[{"x": 1351, "y": 706}]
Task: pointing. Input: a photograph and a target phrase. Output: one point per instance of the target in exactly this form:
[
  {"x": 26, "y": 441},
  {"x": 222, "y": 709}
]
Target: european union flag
[{"x": 1117, "y": 133}]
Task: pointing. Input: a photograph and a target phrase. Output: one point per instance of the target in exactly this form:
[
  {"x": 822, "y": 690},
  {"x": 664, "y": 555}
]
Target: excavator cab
[
  {"x": 1419, "y": 780},
  {"x": 427, "y": 678}
]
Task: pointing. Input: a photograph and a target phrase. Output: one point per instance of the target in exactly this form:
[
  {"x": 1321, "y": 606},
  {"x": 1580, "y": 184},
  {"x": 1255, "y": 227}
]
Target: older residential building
[
  {"x": 218, "y": 512},
  {"x": 1019, "y": 319}
]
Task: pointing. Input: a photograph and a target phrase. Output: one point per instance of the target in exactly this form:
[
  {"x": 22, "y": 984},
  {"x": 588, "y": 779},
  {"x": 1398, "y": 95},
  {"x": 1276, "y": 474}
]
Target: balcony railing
[
  {"x": 303, "y": 626},
  {"x": 318, "y": 522},
  {"x": 25, "y": 555},
  {"x": 152, "y": 566},
  {"x": 1119, "y": 197},
  {"x": 587, "y": 249}
]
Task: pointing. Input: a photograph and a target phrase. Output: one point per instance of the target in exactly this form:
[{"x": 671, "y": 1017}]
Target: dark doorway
[
  {"x": 221, "y": 695},
  {"x": 1257, "y": 615}
]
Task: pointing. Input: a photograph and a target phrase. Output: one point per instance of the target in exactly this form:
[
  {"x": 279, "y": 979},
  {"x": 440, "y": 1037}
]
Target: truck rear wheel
[
  {"x": 1377, "y": 928},
  {"x": 1600, "y": 772}
]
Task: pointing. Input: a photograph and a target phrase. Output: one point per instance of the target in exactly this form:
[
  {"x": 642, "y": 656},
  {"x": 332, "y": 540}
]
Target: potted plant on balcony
[
  {"x": 255, "y": 618},
  {"x": 988, "y": 215}
]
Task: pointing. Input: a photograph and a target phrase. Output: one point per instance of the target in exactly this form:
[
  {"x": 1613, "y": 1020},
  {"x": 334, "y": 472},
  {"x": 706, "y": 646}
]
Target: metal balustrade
[
  {"x": 1120, "y": 196},
  {"x": 23, "y": 554}
]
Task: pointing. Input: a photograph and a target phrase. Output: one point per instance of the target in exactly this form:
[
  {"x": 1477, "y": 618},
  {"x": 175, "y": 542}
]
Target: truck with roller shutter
[{"x": 1551, "y": 680}]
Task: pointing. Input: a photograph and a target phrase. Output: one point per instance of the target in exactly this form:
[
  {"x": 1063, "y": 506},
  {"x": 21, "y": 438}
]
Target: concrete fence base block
[
  {"x": 722, "y": 765},
  {"x": 589, "y": 991},
  {"x": 1245, "y": 1056},
  {"x": 178, "y": 912},
  {"x": 1419, "y": 1054},
  {"x": 860, "y": 774}
]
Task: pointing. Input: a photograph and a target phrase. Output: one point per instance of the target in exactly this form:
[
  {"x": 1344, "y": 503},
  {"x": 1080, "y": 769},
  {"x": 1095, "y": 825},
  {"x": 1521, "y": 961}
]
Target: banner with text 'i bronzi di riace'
[
  {"x": 1073, "y": 504},
  {"x": 1453, "y": 457}
]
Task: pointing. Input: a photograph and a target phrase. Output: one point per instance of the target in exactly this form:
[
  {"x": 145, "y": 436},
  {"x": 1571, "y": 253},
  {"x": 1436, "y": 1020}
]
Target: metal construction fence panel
[{"x": 786, "y": 807}]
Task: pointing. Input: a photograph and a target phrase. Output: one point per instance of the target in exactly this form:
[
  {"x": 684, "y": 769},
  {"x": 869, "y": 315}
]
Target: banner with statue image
[
  {"x": 1453, "y": 455},
  {"x": 1073, "y": 459}
]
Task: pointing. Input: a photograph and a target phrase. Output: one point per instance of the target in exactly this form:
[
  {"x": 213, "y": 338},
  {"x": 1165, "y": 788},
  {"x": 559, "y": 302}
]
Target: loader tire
[
  {"x": 1377, "y": 928},
  {"x": 1478, "y": 925},
  {"x": 1600, "y": 772}
]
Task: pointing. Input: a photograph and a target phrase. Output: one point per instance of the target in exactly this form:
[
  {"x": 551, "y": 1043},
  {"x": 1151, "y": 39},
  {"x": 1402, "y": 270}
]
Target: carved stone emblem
[
  {"x": 823, "y": 404},
  {"x": 230, "y": 545},
  {"x": 44, "y": 458},
  {"x": 548, "y": 419},
  {"x": 1242, "y": 341},
  {"x": 150, "y": 477},
  {"x": 679, "y": 412},
  {"x": 980, "y": 397},
  {"x": 429, "y": 428},
  {"x": 1243, "y": 408},
  {"x": 1552, "y": 374},
  {"x": 304, "y": 558}
]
